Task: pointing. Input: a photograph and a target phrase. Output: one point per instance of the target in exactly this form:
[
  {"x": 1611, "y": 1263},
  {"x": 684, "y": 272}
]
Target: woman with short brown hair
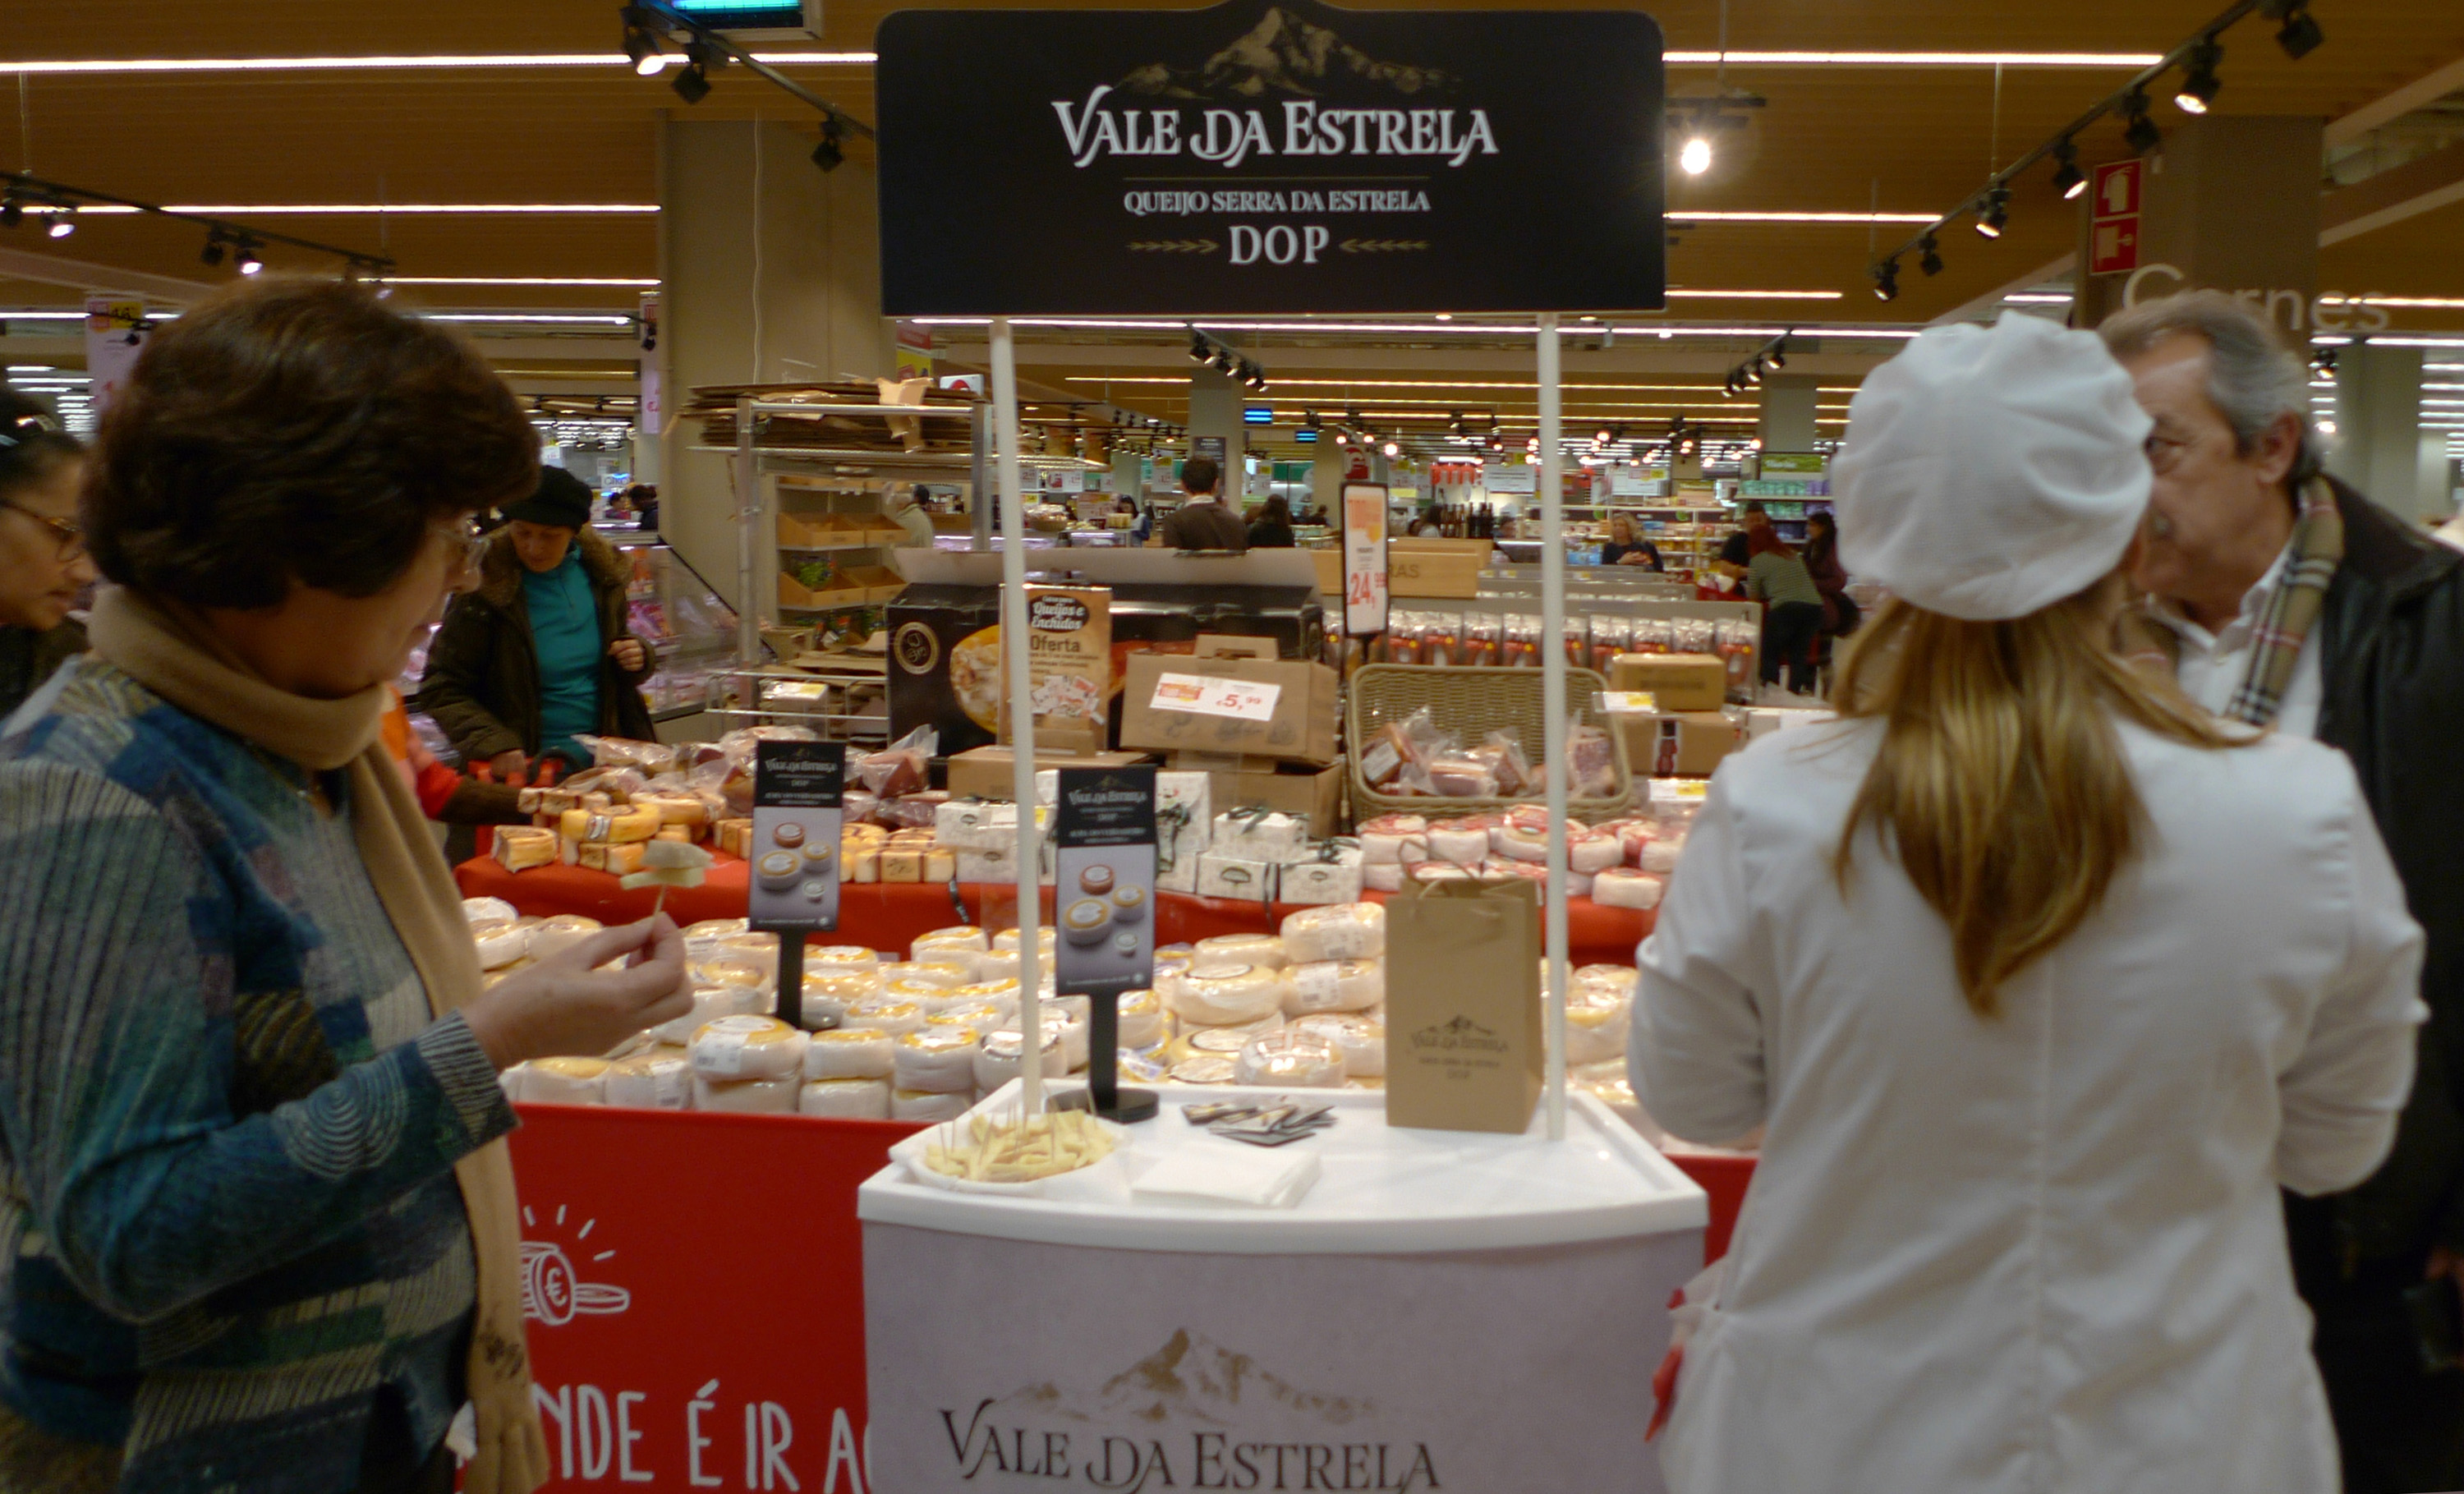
[{"x": 259, "y": 1221}]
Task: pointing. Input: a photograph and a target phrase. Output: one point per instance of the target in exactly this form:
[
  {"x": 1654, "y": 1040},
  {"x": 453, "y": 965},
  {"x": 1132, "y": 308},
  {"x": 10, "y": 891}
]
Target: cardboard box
[
  {"x": 984, "y": 772},
  {"x": 1268, "y": 836},
  {"x": 1464, "y": 1046},
  {"x": 1763, "y": 721},
  {"x": 1264, "y": 708},
  {"x": 1678, "y": 743},
  {"x": 1235, "y": 877},
  {"x": 1320, "y": 881},
  {"x": 1677, "y": 681},
  {"x": 1435, "y": 567},
  {"x": 1311, "y": 794}
]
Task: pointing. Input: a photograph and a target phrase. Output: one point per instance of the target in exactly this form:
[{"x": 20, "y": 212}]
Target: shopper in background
[
  {"x": 1273, "y": 528},
  {"x": 1141, "y": 521},
  {"x": 2292, "y": 602},
  {"x": 2039, "y": 981},
  {"x": 261, "y": 1233},
  {"x": 1625, "y": 549},
  {"x": 1840, "y": 613},
  {"x": 540, "y": 653},
  {"x": 907, "y": 512},
  {"x": 1201, "y": 522},
  {"x": 43, "y": 561},
  {"x": 1776, "y": 577}
]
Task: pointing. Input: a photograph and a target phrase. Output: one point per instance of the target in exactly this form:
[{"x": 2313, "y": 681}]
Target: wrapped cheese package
[
  {"x": 1291, "y": 1058},
  {"x": 747, "y": 1096},
  {"x": 1238, "y": 952},
  {"x": 942, "y": 972},
  {"x": 1458, "y": 845},
  {"x": 659, "y": 1079},
  {"x": 1333, "y": 985},
  {"x": 1623, "y": 886},
  {"x": 845, "y": 1099},
  {"x": 729, "y": 972},
  {"x": 1142, "y": 1023},
  {"x": 1226, "y": 995},
  {"x": 850, "y": 1053},
  {"x": 1659, "y": 857},
  {"x": 1597, "y": 1022},
  {"x": 1361, "y": 1037},
  {"x": 502, "y": 944},
  {"x": 828, "y": 998},
  {"x": 711, "y": 1002},
  {"x": 748, "y": 1047},
  {"x": 758, "y": 948},
  {"x": 1590, "y": 853},
  {"x": 1616, "y": 981},
  {"x": 995, "y": 1057},
  {"x": 565, "y": 1080},
  {"x": 1340, "y": 931},
  {"x": 1382, "y": 877},
  {"x": 927, "y": 994},
  {"x": 1007, "y": 939},
  {"x": 972, "y": 1016},
  {"x": 487, "y": 912},
  {"x": 522, "y": 847},
  {"x": 929, "y": 1107},
  {"x": 1384, "y": 840},
  {"x": 884, "y": 1015},
  {"x": 839, "y": 959},
  {"x": 937, "y": 1059}
]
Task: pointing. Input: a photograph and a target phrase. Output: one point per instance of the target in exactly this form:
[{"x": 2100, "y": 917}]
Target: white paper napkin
[{"x": 1210, "y": 1174}]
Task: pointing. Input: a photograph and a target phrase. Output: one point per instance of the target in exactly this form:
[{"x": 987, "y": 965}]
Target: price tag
[
  {"x": 1199, "y": 694},
  {"x": 1627, "y": 702}
]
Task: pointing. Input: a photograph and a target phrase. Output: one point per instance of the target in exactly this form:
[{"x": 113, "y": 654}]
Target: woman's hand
[
  {"x": 627, "y": 654},
  {"x": 566, "y": 1004},
  {"x": 510, "y": 765}
]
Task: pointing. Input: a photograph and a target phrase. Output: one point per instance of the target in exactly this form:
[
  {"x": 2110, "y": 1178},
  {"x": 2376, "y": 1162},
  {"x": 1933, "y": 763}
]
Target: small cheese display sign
[
  {"x": 1069, "y": 669},
  {"x": 797, "y": 789},
  {"x": 1104, "y": 858}
]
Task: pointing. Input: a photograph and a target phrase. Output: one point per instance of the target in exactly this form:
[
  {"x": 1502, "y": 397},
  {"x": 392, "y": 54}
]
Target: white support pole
[
  {"x": 1553, "y": 656},
  {"x": 1030, "y": 909},
  {"x": 748, "y": 542}
]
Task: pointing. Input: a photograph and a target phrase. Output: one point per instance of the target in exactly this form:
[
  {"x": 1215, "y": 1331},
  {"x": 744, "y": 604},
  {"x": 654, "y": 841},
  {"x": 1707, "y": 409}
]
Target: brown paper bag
[{"x": 1463, "y": 1043}]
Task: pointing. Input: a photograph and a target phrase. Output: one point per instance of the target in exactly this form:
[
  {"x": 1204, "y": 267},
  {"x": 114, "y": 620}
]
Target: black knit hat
[{"x": 563, "y": 501}]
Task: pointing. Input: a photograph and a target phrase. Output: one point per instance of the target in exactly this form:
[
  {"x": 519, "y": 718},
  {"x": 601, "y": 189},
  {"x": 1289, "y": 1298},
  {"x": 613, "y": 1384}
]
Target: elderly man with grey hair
[{"x": 2291, "y": 602}]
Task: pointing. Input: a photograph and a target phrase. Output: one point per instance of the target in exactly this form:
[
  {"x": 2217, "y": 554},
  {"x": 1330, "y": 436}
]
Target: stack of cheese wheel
[
  {"x": 1141, "y": 1023},
  {"x": 748, "y": 1063},
  {"x": 1226, "y": 994},
  {"x": 1599, "y": 1011},
  {"x": 1390, "y": 846},
  {"x": 846, "y": 1074},
  {"x": 1236, "y": 951},
  {"x": 1290, "y": 1058},
  {"x": 1340, "y": 931},
  {"x": 997, "y": 1055},
  {"x": 711, "y": 1002},
  {"x": 958, "y": 945},
  {"x": 839, "y": 959},
  {"x": 565, "y": 1080},
  {"x": 936, "y": 1059},
  {"x": 1361, "y": 1035},
  {"x": 1333, "y": 985},
  {"x": 660, "y": 1078},
  {"x": 828, "y": 997},
  {"x": 1625, "y": 887},
  {"x": 884, "y": 1013},
  {"x": 552, "y": 937}
]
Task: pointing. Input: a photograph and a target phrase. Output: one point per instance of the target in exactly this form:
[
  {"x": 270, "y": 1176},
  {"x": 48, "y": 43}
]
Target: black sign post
[
  {"x": 797, "y": 791},
  {"x": 1269, "y": 156},
  {"x": 1104, "y": 870}
]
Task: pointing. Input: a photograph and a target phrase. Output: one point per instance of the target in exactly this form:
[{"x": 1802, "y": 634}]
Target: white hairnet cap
[{"x": 1989, "y": 472}]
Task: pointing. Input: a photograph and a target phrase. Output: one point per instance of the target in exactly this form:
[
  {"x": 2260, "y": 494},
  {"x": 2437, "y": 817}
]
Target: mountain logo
[
  {"x": 1283, "y": 55},
  {"x": 1460, "y": 1035}
]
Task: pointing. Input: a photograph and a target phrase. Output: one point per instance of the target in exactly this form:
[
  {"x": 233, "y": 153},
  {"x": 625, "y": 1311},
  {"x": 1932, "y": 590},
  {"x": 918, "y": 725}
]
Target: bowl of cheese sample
[{"x": 997, "y": 1149}]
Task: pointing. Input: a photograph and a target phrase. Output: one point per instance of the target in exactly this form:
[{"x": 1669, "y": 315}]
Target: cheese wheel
[
  {"x": 1394, "y": 824},
  {"x": 1659, "y": 857},
  {"x": 500, "y": 945},
  {"x": 1290, "y": 1058},
  {"x": 1141, "y": 1021},
  {"x": 958, "y": 937},
  {"x": 1623, "y": 886},
  {"x": 927, "y": 994},
  {"x": 717, "y": 927},
  {"x": 1457, "y": 845},
  {"x": 995, "y": 1059},
  {"x": 828, "y": 998},
  {"x": 747, "y": 1096},
  {"x": 938, "y": 973},
  {"x": 1361, "y": 1037},
  {"x": 1333, "y": 985},
  {"x": 1386, "y": 878},
  {"x": 1000, "y": 965},
  {"x": 522, "y": 847},
  {"x": 510, "y": 1081},
  {"x": 845, "y": 1099},
  {"x": 1619, "y": 981},
  {"x": 1595, "y": 1026},
  {"x": 1225, "y": 1041},
  {"x": 711, "y": 1002},
  {"x": 756, "y": 949},
  {"x": 729, "y": 972},
  {"x": 1440, "y": 871},
  {"x": 941, "y": 1059},
  {"x": 748, "y": 1047},
  {"x": 1236, "y": 951},
  {"x": 839, "y": 959},
  {"x": 1594, "y": 852},
  {"x": 1007, "y": 939},
  {"x": 975, "y": 1016},
  {"x": 487, "y": 912},
  {"x": 1521, "y": 842},
  {"x": 1208, "y": 1069},
  {"x": 1381, "y": 849},
  {"x": 611, "y": 825},
  {"x": 674, "y": 808},
  {"x": 1339, "y": 930},
  {"x": 565, "y": 1080},
  {"x": 850, "y": 1053},
  {"x": 883, "y": 1014},
  {"x": 659, "y": 1079},
  {"x": 927, "y": 1108},
  {"x": 1237, "y": 994}
]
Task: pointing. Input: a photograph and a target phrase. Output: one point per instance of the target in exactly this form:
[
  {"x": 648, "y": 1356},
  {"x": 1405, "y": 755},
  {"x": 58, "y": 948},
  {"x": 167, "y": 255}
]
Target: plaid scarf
[{"x": 2317, "y": 549}]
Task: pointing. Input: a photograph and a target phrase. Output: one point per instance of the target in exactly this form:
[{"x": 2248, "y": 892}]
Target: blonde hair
[
  {"x": 2001, "y": 784},
  {"x": 1619, "y": 522}
]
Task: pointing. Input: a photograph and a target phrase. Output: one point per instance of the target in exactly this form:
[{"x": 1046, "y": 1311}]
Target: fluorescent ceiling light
[
  {"x": 455, "y": 280},
  {"x": 2130, "y": 60},
  {"x": 1758, "y": 296},
  {"x": 2030, "y": 298},
  {"x": 1688, "y": 215},
  {"x": 2419, "y": 303},
  {"x": 447, "y": 62},
  {"x": 343, "y": 209},
  {"x": 1571, "y": 387},
  {"x": 530, "y": 316}
]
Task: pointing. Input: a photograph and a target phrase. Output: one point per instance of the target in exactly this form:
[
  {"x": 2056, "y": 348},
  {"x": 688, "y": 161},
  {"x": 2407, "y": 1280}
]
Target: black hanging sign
[{"x": 1269, "y": 156}]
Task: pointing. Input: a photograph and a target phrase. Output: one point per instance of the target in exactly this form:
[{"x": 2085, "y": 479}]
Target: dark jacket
[
  {"x": 1205, "y": 525},
  {"x": 2391, "y": 656},
  {"x": 482, "y": 683},
  {"x": 1266, "y": 534},
  {"x": 29, "y": 659}
]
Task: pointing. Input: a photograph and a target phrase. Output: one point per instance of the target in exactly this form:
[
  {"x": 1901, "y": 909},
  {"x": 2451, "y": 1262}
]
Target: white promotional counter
[{"x": 1441, "y": 1311}]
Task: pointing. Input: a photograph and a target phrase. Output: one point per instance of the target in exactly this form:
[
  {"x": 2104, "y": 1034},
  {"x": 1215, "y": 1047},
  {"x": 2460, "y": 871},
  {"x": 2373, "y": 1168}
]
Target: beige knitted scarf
[{"x": 175, "y": 657}]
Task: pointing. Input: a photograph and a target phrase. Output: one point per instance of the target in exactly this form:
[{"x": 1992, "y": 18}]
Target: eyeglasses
[
  {"x": 467, "y": 534},
  {"x": 72, "y": 538},
  {"x": 26, "y": 427}
]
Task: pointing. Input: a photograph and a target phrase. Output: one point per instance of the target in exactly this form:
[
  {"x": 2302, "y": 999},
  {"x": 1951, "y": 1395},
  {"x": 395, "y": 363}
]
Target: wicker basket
[{"x": 1471, "y": 702}]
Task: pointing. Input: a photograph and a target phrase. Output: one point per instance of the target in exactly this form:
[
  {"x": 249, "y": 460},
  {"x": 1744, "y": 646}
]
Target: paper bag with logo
[{"x": 1462, "y": 1005}]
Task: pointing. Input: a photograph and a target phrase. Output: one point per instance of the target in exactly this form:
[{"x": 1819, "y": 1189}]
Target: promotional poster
[{"x": 798, "y": 788}]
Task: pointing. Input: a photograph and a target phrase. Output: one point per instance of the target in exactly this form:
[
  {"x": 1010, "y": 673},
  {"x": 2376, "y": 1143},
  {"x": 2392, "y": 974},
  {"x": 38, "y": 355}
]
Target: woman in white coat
[{"x": 2039, "y": 984}]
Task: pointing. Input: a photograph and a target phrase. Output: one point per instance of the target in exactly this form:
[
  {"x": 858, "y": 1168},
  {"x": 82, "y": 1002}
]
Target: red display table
[{"x": 888, "y": 915}]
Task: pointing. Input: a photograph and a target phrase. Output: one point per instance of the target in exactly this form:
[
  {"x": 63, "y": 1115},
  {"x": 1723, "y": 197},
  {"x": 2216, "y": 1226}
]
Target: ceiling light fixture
[
  {"x": 642, "y": 40},
  {"x": 2200, "y": 85},
  {"x": 59, "y": 222},
  {"x": 832, "y": 152},
  {"x": 1886, "y": 280},
  {"x": 2300, "y": 36},
  {"x": 1929, "y": 254},
  {"x": 2141, "y": 134},
  {"x": 12, "y": 212},
  {"x": 1995, "y": 213},
  {"x": 2068, "y": 179},
  {"x": 1694, "y": 157},
  {"x": 212, "y": 254},
  {"x": 691, "y": 86},
  {"x": 246, "y": 259}
]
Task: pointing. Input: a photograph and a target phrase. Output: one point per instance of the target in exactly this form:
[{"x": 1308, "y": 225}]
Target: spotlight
[
  {"x": 1995, "y": 213},
  {"x": 1308, "y": 420},
  {"x": 11, "y": 213},
  {"x": 2199, "y": 82},
  {"x": 1779, "y": 352},
  {"x": 642, "y": 42},
  {"x": 1603, "y": 436},
  {"x": 830, "y": 152},
  {"x": 212, "y": 254},
  {"x": 1886, "y": 280},
  {"x": 1197, "y": 348},
  {"x": 691, "y": 86},
  {"x": 1392, "y": 449},
  {"x": 2142, "y": 136},
  {"x": 246, "y": 258},
  {"x": 1695, "y": 158},
  {"x": 2300, "y": 35},
  {"x": 60, "y": 224},
  {"x": 1222, "y": 360},
  {"x": 2068, "y": 179},
  {"x": 1342, "y": 437}
]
